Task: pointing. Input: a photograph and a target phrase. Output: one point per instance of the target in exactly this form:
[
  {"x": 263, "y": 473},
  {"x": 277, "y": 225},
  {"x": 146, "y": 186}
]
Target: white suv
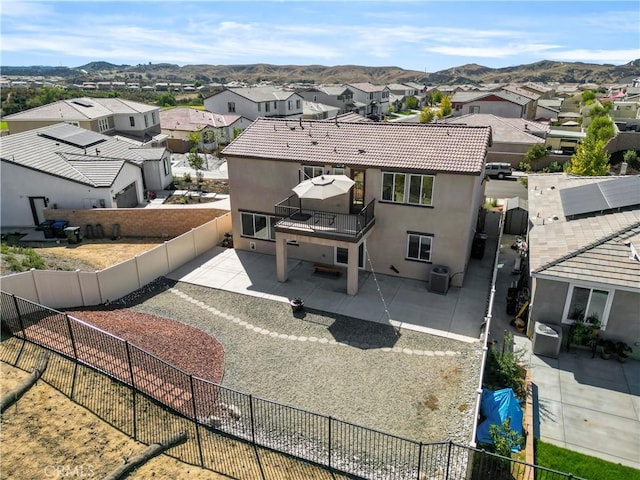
[{"x": 499, "y": 170}]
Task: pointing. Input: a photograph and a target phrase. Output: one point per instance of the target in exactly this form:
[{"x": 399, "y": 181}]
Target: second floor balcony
[{"x": 325, "y": 224}]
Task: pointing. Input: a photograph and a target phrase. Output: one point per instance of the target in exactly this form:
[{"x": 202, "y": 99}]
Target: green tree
[
  {"x": 435, "y": 97},
  {"x": 601, "y": 128},
  {"x": 504, "y": 438},
  {"x": 591, "y": 159},
  {"x": 236, "y": 131},
  {"x": 631, "y": 158},
  {"x": 195, "y": 138},
  {"x": 445, "y": 107},
  {"x": 588, "y": 96},
  {"x": 195, "y": 160},
  {"x": 533, "y": 154},
  {"x": 412, "y": 103},
  {"x": 166, "y": 100},
  {"x": 426, "y": 115}
]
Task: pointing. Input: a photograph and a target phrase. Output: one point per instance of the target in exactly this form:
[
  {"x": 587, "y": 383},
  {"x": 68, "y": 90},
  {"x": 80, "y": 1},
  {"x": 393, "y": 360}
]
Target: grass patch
[
  {"x": 19, "y": 259},
  {"x": 4, "y": 126},
  {"x": 563, "y": 460}
]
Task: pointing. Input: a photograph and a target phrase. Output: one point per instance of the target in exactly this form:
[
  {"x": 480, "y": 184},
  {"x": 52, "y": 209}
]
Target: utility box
[{"x": 547, "y": 340}]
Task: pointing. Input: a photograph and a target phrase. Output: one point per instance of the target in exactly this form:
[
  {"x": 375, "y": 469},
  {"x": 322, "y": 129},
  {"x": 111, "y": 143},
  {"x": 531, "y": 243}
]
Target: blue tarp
[{"x": 496, "y": 407}]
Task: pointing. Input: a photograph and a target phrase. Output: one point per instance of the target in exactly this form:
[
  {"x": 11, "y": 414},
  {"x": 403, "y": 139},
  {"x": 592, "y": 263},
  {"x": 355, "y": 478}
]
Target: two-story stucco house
[
  {"x": 110, "y": 116},
  {"x": 335, "y": 95},
  {"x": 375, "y": 97},
  {"x": 254, "y": 102},
  {"x": 414, "y": 205}
]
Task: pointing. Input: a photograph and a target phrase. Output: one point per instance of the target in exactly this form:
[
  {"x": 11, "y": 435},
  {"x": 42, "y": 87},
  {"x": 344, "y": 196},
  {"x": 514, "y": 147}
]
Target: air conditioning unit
[{"x": 439, "y": 280}]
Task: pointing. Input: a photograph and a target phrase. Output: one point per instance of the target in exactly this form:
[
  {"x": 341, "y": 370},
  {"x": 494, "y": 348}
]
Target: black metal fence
[{"x": 229, "y": 432}]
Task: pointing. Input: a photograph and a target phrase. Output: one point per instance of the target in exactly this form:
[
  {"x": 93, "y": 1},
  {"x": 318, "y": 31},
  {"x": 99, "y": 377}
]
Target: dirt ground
[
  {"x": 46, "y": 435},
  {"x": 91, "y": 254}
]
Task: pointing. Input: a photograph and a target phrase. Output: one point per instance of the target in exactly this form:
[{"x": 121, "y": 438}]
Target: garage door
[{"x": 128, "y": 197}]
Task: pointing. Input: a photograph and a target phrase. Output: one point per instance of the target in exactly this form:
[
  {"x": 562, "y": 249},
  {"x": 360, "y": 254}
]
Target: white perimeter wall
[{"x": 58, "y": 289}]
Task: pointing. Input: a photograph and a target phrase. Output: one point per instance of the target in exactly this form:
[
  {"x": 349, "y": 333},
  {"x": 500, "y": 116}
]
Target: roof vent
[
  {"x": 361, "y": 150},
  {"x": 314, "y": 142}
]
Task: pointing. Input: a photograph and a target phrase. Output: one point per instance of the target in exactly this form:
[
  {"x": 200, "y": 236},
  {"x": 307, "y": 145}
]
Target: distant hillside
[{"x": 544, "y": 71}]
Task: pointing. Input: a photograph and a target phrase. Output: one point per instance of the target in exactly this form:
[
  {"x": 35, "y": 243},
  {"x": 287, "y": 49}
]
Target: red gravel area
[{"x": 185, "y": 347}]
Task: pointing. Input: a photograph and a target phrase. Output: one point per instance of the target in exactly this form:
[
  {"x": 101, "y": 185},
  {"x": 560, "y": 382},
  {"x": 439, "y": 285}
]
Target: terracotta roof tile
[{"x": 407, "y": 146}]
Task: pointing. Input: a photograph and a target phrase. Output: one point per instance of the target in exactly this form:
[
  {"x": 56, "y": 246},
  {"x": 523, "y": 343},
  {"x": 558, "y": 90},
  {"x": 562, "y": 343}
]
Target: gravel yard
[{"x": 414, "y": 385}]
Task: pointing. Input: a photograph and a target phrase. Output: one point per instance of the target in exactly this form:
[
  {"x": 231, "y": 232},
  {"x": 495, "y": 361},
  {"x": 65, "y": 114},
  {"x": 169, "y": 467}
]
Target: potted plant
[
  {"x": 607, "y": 348},
  {"x": 520, "y": 324},
  {"x": 622, "y": 351}
]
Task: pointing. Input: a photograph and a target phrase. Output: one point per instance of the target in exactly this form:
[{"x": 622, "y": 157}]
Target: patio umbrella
[{"x": 323, "y": 187}]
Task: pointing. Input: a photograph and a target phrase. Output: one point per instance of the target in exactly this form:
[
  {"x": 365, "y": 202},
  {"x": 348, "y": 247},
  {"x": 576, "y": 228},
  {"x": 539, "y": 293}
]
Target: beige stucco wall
[
  {"x": 257, "y": 185},
  {"x": 23, "y": 126},
  {"x": 549, "y": 299}
]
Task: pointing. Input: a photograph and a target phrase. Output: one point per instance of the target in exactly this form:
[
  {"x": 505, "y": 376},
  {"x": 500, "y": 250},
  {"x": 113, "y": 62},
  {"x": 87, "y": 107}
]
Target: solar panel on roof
[
  {"x": 82, "y": 103},
  {"x": 72, "y": 135},
  {"x": 597, "y": 197}
]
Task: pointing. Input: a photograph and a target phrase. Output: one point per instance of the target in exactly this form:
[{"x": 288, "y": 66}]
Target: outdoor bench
[{"x": 323, "y": 268}]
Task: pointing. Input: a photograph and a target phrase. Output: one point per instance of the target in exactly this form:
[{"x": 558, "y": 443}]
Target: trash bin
[
  {"x": 546, "y": 340},
  {"x": 478, "y": 245},
  {"x": 47, "y": 229},
  {"x": 72, "y": 234},
  {"x": 58, "y": 228}
]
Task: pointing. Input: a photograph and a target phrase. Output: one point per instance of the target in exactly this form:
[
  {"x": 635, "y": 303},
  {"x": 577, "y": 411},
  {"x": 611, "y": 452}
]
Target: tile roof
[
  {"x": 261, "y": 94},
  {"x": 407, "y": 146},
  {"x": 81, "y": 109},
  {"x": 35, "y": 149},
  {"x": 367, "y": 87},
  {"x": 503, "y": 130},
  {"x": 587, "y": 248}
]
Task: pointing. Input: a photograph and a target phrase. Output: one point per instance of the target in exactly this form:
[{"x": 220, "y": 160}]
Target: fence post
[
  {"x": 73, "y": 341},
  {"x": 195, "y": 419},
  {"x": 253, "y": 427},
  {"x": 15, "y": 302},
  {"x": 419, "y": 460},
  {"x": 133, "y": 390},
  {"x": 329, "y": 461},
  {"x": 448, "y": 459}
]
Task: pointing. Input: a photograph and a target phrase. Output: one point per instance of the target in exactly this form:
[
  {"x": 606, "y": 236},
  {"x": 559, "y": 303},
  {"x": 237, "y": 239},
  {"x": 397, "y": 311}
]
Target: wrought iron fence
[{"x": 229, "y": 432}]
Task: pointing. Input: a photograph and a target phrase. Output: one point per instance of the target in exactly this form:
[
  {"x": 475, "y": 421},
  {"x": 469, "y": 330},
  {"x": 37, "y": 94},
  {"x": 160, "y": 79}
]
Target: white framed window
[
  {"x": 341, "y": 255},
  {"x": 406, "y": 188},
  {"x": 298, "y": 104},
  {"x": 146, "y": 122},
  {"x": 259, "y": 106},
  {"x": 419, "y": 246},
  {"x": 474, "y": 109},
  {"x": 267, "y": 107},
  {"x": 588, "y": 304},
  {"x": 154, "y": 119},
  {"x": 275, "y": 106},
  {"x": 311, "y": 171},
  {"x": 339, "y": 171},
  {"x": 289, "y": 105},
  {"x": 103, "y": 124},
  {"x": 257, "y": 225}
]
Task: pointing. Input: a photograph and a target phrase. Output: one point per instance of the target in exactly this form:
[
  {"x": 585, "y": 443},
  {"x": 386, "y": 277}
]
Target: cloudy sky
[{"x": 416, "y": 35}]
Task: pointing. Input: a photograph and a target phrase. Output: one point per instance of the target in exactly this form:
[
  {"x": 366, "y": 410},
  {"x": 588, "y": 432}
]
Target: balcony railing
[{"x": 320, "y": 223}]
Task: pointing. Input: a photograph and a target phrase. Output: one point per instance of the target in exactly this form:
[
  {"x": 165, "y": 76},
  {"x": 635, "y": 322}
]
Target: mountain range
[{"x": 543, "y": 71}]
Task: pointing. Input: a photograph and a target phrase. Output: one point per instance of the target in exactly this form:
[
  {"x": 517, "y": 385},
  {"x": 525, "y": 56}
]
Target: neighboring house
[
  {"x": 626, "y": 115},
  {"x": 511, "y": 137},
  {"x": 63, "y": 166},
  {"x": 103, "y": 115},
  {"x": 318, "y": 111},
  {"x": 254, "y": 102},
  {"x": 415, "y": 203},
  {"x": 501, "y": 103},
  {"x": 215, "y": 128},
  {"x": 338, "y": 96},
  {"x": 584, "y": 252},
  {"x": 548, "y": 109},
  {"x": 375, "y": 97},
  {"x": 399, "y": 93}
]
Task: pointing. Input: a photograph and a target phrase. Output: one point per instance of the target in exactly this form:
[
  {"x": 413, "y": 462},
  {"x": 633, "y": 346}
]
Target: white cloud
[{"x": 615, "y": 57}]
